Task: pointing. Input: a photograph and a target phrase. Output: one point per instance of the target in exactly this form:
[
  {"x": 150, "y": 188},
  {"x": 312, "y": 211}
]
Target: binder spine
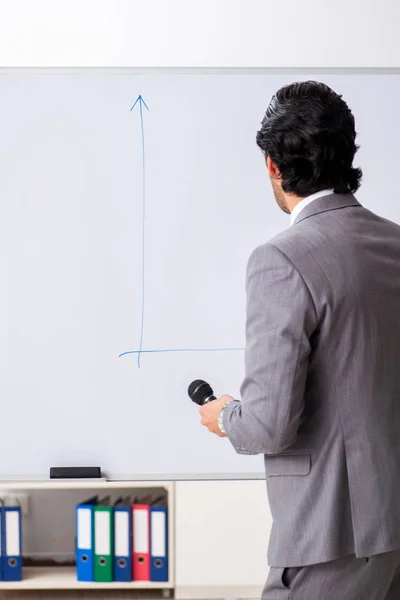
[
  {"x": 159, "y": 543},
  {"x": 12, "y": 560},
  {"x": 122, "y": 544},
  {"x": 2, "y": 541},
  {"x": 103, "y": 541},
  {"x": 84, "y": 542},
  {"x": 141, "y": 542}
]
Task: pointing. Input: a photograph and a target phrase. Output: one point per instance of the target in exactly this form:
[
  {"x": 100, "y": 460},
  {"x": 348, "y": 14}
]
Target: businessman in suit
[{"x": 321, "y": 394}]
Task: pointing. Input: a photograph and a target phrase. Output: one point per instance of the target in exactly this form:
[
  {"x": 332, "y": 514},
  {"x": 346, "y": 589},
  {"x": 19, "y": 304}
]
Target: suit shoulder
[
  {"x": 288, "y": 243},
  {"x": 267, "y": 254},
  {"x": 395, "y": 227},
  {"x": 318, "y": 238}
]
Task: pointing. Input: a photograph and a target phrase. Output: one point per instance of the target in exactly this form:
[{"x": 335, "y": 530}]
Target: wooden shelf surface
[
  {"x": 78, "y": 484},
  {"x": 41, "y": 578}
]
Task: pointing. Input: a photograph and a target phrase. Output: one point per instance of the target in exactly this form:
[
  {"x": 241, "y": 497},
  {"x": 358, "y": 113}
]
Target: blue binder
[
  {"x": 85, "y": 540},
  {"x": 158, "y": 543},
  {"x": 2, "y": 540},
  {"x": 123, "y": 540},
  {"x": 12, "y": 556}
]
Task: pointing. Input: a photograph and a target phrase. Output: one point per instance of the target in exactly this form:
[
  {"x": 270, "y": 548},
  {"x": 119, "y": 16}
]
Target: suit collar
[{"x": 325, "y": 204}]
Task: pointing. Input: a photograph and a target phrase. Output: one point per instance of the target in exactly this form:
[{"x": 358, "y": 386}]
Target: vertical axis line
[{"x": 143, "y": 230}]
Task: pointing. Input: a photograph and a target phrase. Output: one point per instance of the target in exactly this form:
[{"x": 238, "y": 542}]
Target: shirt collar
[{"x": 305, "y": 202}]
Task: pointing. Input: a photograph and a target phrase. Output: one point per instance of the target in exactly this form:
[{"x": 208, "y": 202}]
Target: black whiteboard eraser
[{"x": 75, "y": 473}]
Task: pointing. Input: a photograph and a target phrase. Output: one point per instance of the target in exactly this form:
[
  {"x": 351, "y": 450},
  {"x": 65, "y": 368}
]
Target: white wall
[{"x": 194, "y": 33}]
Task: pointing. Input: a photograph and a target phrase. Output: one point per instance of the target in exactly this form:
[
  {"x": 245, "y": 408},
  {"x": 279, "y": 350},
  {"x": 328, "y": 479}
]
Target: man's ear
[{"x": 273, "y": 170}]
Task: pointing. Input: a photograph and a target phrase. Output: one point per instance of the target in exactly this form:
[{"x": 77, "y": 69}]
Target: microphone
[{"x": 201, "y": 392}]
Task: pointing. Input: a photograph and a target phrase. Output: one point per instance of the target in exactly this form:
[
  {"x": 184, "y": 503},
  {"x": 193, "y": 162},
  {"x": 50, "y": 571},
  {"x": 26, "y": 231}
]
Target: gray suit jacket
[{"x": 321, "y": 396}]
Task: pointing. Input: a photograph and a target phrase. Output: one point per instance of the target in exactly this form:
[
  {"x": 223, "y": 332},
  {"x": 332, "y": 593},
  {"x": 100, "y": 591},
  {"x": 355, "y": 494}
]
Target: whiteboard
[{"x": 89, "y": 277}]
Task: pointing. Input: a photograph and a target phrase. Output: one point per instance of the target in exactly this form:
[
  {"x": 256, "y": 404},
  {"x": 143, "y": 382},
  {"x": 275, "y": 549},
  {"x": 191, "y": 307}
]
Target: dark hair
[{"x": 308, "y": 132}]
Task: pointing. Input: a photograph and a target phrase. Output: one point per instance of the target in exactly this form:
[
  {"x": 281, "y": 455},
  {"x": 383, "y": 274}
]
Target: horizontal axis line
[{"x": 159, "y": 351}]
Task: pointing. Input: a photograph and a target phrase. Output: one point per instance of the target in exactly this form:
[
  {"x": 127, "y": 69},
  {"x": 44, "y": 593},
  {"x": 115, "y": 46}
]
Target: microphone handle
[{"x": 209, "y": 399}]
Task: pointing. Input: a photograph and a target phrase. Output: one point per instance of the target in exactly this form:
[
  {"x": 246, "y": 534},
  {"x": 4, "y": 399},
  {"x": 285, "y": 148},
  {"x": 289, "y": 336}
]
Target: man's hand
[{"x": 210, "y": 412}]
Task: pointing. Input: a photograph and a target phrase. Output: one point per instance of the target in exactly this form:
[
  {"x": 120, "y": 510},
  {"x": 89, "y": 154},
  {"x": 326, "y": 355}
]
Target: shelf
[
  {"x": 78, "y": 484},
  {"x": 63, "y": 577},
  {"x": 41, "y": 578}
]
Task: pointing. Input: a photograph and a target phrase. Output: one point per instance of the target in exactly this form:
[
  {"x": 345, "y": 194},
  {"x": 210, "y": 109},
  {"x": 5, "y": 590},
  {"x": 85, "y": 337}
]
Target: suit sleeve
[{"x": 280, "y": 320}]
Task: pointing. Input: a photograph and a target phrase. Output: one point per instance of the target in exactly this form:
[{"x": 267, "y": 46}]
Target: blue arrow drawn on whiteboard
[{"x": 141, "y": 102}]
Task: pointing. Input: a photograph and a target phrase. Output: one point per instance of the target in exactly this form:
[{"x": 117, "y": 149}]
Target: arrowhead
[{"x": 141, "y": 101}]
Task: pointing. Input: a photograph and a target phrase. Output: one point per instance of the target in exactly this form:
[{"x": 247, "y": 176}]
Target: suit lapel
[{"x": 325, "y": 204}]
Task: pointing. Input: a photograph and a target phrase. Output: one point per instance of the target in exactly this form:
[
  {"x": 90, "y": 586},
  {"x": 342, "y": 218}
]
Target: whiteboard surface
[{"x": 71, "y": 235}]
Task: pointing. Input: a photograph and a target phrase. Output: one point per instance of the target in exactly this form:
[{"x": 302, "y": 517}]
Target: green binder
[{"x": 103, "y": 541}]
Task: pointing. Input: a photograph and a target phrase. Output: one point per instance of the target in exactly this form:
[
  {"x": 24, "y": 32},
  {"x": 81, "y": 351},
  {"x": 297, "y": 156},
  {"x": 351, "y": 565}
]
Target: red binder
[{"x": 141, "y": 542}]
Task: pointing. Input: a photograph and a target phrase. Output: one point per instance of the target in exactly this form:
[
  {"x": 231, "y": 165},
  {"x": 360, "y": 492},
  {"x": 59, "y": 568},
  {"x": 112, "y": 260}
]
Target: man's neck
[{"x": 292, "y": 201}]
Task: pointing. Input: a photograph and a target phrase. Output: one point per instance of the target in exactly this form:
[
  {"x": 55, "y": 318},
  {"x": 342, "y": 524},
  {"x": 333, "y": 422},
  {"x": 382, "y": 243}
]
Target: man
[{"x": 321, "y": 395}]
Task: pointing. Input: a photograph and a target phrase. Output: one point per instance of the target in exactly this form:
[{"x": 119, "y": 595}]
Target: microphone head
[{"x": 200, "y": 392}]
